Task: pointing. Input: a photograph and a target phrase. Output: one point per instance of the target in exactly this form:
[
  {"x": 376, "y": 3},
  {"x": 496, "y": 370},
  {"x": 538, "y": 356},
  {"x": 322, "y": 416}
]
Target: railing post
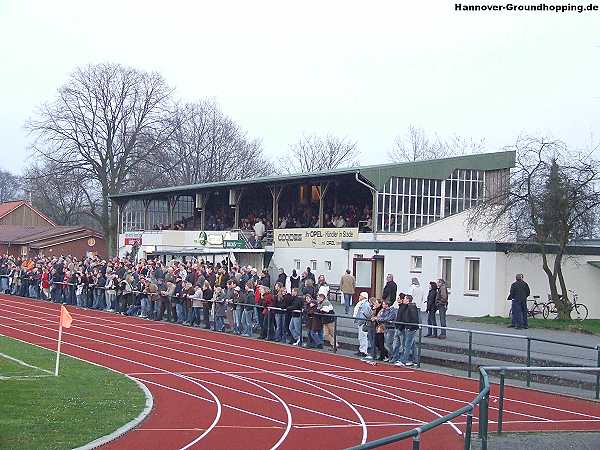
[
  {"x": 417, "y": 441},
  {"x": 470, "y": 352},
  {"x": 268, "y": 323},
  {"x": 528, "y": 361},
  {"x": 598, "y": 374},
  {"x": 480, "y": 408},
  {"x": 301, "y": 332},
  {"x": 501, "y": 402},
  {"x": 335, "y": 334},
  {"x": 483, "y": 420},
  {"x": 419, "y": 347},
  {"x": 468, "y": 428}
]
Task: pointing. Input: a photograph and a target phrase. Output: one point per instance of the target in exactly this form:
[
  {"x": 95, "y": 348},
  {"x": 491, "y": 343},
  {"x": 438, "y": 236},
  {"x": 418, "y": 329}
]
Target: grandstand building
[{"x": 406, "y": 219}]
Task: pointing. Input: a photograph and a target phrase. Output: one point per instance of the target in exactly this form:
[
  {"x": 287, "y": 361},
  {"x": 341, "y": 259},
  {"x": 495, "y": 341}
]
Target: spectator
[
  {"x": 410, "y": 316},
  {"x": 294, "y": 281},
  {"x": 347, "y": 286},
  {"x": 441, "y": 303},
  {"x": 314, "y": 324},
  {"x": 390, "y": 288},
  {"x": 282, "y": 277},
  {"x": 362, "y": 313},
  {"x": 374, "y": 329},
  {"x": 327, "y": 319},
  {"x": 295, "y": 309},
  {"x": 259, "y": 230},
  {"x": 219, "y": 305},
  {"x": 399, "y": 329},
  {"x": 519, "y": 291},
  {"x": 248, "y": 309},
  {"x": 431, "y": 310}
]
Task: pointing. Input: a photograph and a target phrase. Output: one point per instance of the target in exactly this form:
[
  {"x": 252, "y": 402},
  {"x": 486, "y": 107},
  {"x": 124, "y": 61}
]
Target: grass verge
[
  {"x": 590, "y": 326},
  {"x": 82, "y": 404}
]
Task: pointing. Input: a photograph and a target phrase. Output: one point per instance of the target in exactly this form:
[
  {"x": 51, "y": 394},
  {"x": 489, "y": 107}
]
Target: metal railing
[{"x": 481, "y": 399}]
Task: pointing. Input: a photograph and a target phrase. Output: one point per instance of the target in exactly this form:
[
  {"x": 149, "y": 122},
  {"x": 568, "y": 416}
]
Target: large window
[
  {"x": 446, "y": 270},
  {"x": 158, "y": 214},
  {"x": 408, "y": 203},
  {"x": 472, "y": 275},
  {"x": 132, "y": 216}
]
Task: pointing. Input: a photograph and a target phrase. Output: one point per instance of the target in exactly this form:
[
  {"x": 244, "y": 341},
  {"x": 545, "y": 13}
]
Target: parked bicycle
[
  {"x": 578, "y": 310},
  {"x": 534, "y": 308}
]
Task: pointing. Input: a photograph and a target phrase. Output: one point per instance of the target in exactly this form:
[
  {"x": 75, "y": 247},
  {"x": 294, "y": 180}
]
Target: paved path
[{"x": 513, "y": 345}]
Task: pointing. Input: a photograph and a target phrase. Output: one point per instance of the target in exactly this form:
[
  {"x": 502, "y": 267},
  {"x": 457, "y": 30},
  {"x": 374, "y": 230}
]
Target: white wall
[
  {"x": 454, "y": 228},
  {"x": 397, "y": 262},
  {"x": 579, "y": 276}
]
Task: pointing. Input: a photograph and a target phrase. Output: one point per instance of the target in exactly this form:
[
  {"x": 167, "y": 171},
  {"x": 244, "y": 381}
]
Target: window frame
[
  {"x": 413, "y": 266},
  {"x": 468, "y": 274}
]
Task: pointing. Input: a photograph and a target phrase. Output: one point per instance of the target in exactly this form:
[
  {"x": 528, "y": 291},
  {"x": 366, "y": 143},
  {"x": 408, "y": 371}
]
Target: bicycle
[
  {"x": 534, "y": 310},
  {"x": 578, "y": 310}
]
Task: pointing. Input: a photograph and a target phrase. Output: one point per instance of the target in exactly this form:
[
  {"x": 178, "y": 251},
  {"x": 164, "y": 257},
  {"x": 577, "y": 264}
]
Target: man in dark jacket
[
  {"x": 410, "y": 315},
  {"x": 390, "y": 289},
  {"x": 399, "y": 333},
  {"x": 519, "y": 291}
]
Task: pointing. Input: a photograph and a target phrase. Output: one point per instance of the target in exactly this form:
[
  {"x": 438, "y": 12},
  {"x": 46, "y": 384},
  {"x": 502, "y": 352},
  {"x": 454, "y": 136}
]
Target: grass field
[
  {"x": 40, "y": 411},
  {"x": 590, "y": 326}
]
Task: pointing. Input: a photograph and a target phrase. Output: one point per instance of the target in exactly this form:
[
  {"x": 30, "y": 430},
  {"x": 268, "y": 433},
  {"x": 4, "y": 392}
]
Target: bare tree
[
  {"x": 58, "y": 194},
  {"x": 551, "y": 199},
  {"x": 10, "y": 187},
  {"x": 314, "y": 153},
  {"x": 208, "y": 146},
  {"x": 106, "y": 122},
  {"x": 416, "y": 145}
]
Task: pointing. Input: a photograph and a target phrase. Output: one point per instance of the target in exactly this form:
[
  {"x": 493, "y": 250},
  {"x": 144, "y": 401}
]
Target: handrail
[{"x": 416, "y": 432}]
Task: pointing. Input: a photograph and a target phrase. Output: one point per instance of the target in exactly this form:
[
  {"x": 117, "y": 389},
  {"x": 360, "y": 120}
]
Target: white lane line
[
  {"x": 255, "y": 372},
  {"x": 310, "y": 383},
  {"x": 314, "y": 362},
  {"x": 116, "y": 357},
  {"x": 217, "y": 415},
  {"x": 189, "y": 394},
  {"x": 194, "y": 365}
]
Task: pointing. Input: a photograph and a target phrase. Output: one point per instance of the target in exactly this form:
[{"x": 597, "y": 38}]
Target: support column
[
  {"x": 322, "y": 193},
  {"x": 146, "y": 204},
  {"x": 171, "y": 202},
  {"x": 237, "y": 196},
  {"x": 276, "y": 193},
  {"x": 374, "y": 217},
  {"x": 201, "y": 201}
]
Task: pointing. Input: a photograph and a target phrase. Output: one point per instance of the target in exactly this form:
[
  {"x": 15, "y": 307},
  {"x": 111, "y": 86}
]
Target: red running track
[{"x": 215, "y": 390}]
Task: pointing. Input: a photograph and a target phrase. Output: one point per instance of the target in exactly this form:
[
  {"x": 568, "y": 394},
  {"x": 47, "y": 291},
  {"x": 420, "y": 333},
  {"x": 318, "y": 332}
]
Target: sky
[{"x": 362, "y": 70}]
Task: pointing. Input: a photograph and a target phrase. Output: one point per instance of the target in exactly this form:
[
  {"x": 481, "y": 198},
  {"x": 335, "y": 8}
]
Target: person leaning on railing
[
  {"x": 327, "y": 319},
  {"x": 295, "y": 311},
  {"x": 399, "y": 329},
  {"x": 362, "y": 312},
  {"x": 247, "y": 317}
]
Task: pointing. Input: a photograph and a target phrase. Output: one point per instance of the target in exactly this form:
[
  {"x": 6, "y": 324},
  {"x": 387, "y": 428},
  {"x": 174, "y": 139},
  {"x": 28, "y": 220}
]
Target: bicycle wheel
[
  {"x": 536, "y": 310},
  {"x": 579, "y": 312},
  {"x": 550, "y": 311}
]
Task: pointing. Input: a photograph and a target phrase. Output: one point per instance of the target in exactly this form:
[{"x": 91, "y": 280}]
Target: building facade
[{"x": 409, "y": 220}]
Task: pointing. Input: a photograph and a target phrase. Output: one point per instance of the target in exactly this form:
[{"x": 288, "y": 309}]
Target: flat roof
[
  {"x": 470, "y": 246},
  {"x": 376, "y": 175}
]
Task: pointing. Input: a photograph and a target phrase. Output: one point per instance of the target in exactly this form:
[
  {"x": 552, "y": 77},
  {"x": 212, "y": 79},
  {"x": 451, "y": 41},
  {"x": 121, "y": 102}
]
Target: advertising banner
[{"x": 313, "y": 237}]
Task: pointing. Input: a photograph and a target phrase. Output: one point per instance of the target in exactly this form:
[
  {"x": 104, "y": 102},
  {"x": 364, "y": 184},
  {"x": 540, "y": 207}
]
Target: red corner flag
[{"x": 65, "y": 317}]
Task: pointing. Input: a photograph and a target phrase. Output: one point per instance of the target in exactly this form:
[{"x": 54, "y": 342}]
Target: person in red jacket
[
  {"x": 46, "y": 283},
  {"x": 266, "y": 301}
]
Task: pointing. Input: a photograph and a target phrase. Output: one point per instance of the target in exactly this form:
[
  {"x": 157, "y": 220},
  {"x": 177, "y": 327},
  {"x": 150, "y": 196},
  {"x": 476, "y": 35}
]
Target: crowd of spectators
[
  {"x": 350, "y": 216},
  {"x": 230, "y": 298}
]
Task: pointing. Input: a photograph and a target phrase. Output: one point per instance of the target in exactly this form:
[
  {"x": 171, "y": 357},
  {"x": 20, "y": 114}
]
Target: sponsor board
[{"x": 313, "y": 237}]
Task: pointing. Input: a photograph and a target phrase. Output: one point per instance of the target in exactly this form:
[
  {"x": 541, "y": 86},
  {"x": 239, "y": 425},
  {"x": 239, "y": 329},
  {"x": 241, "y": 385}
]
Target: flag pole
[{"x": 58, "y": 349}]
